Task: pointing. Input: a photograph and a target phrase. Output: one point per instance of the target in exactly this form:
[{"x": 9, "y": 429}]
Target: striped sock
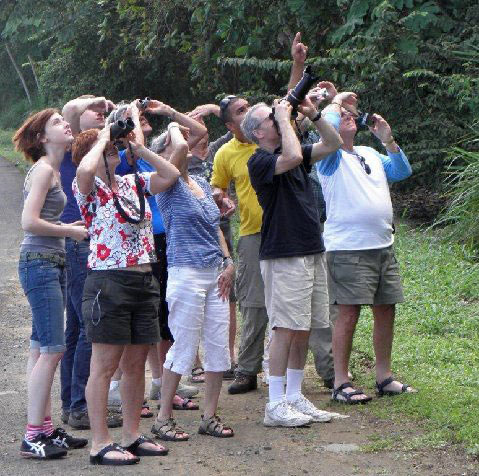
[
  {"x": 47, "y": 427},
  {"x": 33, "y": 431}
]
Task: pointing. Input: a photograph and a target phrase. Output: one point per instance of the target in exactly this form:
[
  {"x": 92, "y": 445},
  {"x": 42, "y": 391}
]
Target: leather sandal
[
  {"x": 100, "y": 459},
  {"x": 339, "y": 395},
  {"x": 168, "y": 430},
  {"x": 392, "y": 393},
  {"x": 136, "y": 449},
  {"x": 213, "y": 427}
]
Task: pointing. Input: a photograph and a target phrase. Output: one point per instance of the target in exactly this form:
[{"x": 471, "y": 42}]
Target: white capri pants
[{"x": 196, "y": 311}]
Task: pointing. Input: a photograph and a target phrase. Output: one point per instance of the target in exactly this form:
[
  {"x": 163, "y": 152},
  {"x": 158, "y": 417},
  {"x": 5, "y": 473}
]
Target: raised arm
[
  {"x": 73, "y": 109},
  {"x": 180, "y": 146},
  {"x": 197, "y": 130},
  {"x": 330, "y": 139},
  {"x": 165, "y": 175},
  {"x": 291, "y": 153},
  {"x": 41, "y": 180},
  {"x": 86, "y": 171},
  {"x": 299, "y": 53}
]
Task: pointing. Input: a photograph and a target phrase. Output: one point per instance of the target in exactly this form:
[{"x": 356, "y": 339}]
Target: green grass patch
[
  {"x": 8, "y": 151},
  {"x": 435, "y": 345}
]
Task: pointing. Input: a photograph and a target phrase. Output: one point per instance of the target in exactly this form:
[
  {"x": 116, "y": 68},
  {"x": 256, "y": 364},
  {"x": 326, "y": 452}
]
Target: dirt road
[{"x": 323, "y": 449}]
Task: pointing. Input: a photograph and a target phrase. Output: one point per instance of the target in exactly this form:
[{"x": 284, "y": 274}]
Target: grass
[
  {"x": 7, "y": 150},
  {"x": 435, "y": 346}
]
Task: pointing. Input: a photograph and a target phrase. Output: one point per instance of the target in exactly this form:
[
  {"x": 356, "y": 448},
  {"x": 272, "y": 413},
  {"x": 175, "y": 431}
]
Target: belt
[{"x": 31, "y": 255}]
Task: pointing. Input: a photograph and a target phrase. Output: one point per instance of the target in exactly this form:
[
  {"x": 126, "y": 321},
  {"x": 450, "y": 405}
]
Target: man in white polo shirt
[{"x": 358, "y": 236}]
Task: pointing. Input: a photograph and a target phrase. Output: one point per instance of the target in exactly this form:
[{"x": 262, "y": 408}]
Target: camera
[
  {"x": 299, "y": 92},
  {"x": 143, "y": 103},
  {"x": 121, "y": 129},
  {"x": 364, "y": 119}
]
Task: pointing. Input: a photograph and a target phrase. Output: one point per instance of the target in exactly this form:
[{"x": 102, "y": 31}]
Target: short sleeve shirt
[
  {"x": 191, "y": 225},
  {"x": 290, "y": 218},
  {"x": 230, "y": 164},
  {"x": 115, "y": 243}
]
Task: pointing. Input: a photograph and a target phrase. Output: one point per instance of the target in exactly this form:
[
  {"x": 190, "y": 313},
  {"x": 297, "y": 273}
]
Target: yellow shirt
[{"x": 230, "y": 163}]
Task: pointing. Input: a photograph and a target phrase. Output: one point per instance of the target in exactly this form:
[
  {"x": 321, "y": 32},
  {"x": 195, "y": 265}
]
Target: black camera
[
  {"x": 299, "y": 92},
  {"x": 121, "y": 129},
  {"x": 144, "y": 103},
  {"x": 364, "y": 119}
]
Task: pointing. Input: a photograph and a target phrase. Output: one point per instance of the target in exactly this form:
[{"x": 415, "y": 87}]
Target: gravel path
[{"x": 333, "y": 448}]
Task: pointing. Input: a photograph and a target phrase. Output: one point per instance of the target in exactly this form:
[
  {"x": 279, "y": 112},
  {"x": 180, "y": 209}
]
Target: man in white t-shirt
[{"x": 358, "y": 236}]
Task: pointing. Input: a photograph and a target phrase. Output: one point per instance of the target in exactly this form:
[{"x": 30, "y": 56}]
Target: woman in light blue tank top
[{"x": 44, "y": 138}]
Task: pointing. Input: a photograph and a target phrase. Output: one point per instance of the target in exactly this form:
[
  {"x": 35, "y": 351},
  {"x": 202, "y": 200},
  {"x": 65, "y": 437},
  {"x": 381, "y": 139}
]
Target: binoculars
[
  {"x": 121, "y": 129},
  {"x": 143, "y": 103}
]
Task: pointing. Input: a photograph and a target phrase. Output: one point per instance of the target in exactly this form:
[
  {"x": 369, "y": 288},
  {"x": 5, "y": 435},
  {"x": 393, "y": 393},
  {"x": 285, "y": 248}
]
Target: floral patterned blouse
[{"x": 115, "y": 243}]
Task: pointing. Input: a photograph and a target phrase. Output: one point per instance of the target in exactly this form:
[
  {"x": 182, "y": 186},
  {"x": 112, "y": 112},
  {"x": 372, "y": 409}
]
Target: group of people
[{"x": 133, "y": 236}]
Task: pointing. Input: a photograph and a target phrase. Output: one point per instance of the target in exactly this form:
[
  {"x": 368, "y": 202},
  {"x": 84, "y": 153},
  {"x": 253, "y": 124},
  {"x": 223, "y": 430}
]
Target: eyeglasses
[
  {"x": 225, "y": 102},
  {"x": 363, "y": 163}
]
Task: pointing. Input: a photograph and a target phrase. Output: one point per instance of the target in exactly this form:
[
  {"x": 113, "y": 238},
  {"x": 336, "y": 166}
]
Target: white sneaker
[
  {"x": 281, "y": 414},
  {"x": 114, "y": 397},
  {"x": 304, "y": 406}
]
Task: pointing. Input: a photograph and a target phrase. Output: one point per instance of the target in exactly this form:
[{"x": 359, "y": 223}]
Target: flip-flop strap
[
  {"x": 112, "y": 447},
  {"x": 139, "y": 441}
]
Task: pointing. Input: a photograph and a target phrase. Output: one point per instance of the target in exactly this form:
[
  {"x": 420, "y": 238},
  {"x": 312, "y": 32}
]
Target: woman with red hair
[
  {"x": 121, "y": 296},
  {"x": 44, "y": 138}
]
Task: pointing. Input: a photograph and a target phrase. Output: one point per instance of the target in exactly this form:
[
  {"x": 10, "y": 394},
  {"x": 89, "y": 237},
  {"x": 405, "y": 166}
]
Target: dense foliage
[{"x": 399, "y": 55}]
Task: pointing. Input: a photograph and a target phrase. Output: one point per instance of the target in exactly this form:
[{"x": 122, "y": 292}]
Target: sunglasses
[
  {"x": 363, "y": 163},
  {"x": 225, "y": 102}
]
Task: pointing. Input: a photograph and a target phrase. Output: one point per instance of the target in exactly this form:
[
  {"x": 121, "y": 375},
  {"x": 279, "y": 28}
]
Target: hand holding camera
[
  {"x": 381, "y": 129},
  {"x": 308, "y": 108},
  {"x": 282, "y": 111}
]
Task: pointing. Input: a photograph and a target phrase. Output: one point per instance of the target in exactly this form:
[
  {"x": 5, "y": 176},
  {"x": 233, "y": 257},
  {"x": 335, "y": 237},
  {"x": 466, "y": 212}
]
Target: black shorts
[
  {"x": 121, "y": 307},
  {"x": 160, "y": 271}
]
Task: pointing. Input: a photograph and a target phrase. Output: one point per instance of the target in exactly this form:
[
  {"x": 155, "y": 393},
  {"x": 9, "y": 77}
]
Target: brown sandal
[
  {"x": 213, "y": 427},
  {"x": 167, "y": 430}
]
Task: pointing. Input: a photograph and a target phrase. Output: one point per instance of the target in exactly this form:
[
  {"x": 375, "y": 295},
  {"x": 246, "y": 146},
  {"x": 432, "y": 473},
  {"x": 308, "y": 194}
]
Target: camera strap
[{"x": 139, "y": 189}]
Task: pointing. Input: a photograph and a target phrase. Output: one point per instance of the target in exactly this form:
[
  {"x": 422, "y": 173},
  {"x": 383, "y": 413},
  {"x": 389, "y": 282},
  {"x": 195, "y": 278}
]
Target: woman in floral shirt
[{"x": 120, "y": 298}]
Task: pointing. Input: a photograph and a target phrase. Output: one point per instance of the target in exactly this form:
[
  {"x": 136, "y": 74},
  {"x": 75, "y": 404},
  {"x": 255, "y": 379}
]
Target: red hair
[
  {"x": 82, "y": 144},
  {"x": 27, "y": 138}
]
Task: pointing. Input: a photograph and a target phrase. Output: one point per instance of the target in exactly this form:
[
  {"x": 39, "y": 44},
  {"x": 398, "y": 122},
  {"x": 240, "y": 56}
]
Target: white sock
[
  {"x": 276, "y": 388},
  {"x": 114, "y": 384},
  {"x": 156, "y": 381},
  {"x": 294, "y": 380}
]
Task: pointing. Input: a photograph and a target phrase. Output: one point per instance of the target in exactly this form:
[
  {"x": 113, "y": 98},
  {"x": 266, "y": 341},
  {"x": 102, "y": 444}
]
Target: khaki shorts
[
  {"x": 368, "y": 277},
  {"x": 296, "y": 292}
]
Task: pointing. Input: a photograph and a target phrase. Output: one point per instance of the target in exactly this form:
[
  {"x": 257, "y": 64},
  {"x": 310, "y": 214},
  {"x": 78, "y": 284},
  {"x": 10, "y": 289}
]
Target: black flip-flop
[
  {"x": 136, "y": 449},
  {"x": 99, "y": 458}
]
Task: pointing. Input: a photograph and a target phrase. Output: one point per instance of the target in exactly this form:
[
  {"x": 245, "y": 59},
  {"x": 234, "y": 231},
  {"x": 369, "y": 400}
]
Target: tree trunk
[
  {"x": 34, "y": 72},
  {"x": 20, "y": 75}
]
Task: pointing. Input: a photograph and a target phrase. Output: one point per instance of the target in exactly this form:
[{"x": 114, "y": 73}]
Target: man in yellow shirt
[{"x": 230, "y": 164}]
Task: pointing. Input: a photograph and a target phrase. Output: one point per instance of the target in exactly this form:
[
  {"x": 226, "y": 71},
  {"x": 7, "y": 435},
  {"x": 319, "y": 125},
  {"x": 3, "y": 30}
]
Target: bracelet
[
  {"x": 227, "y": 261},
  {"x": 389, "y": 142},
  {"x": 317, "y": 117}
]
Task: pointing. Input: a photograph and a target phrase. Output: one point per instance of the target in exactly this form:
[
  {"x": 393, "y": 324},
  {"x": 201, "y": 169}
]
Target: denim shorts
[{"x": 44, "y": 285}]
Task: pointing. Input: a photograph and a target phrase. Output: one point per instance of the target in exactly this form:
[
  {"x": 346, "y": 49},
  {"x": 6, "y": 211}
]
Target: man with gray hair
[{"x": 291, "y": 253}]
